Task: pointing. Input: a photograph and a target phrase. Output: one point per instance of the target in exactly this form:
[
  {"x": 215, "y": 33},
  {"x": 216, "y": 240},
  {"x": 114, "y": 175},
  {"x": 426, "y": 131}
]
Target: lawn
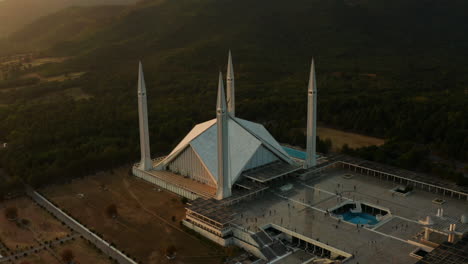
[
  {"x": 41, "y": 226},
  {"x": 83, "y": 252},
  {"x": 147, "y": 222},
  {"x": 339, "y": 138}
]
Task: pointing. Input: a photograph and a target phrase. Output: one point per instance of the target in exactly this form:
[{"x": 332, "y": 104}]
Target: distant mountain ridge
[{"x": 15, "y": 14}]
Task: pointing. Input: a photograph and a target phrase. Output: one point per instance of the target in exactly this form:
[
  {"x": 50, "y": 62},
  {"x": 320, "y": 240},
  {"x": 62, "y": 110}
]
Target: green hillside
[
  {"x": 15, "y": 14},
  {"x": 390, "y": 69},
  {"x": 70, "y": 24}
]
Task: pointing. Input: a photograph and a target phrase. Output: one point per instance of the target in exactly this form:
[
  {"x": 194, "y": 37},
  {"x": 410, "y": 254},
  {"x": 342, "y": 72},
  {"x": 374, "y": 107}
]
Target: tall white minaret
[
  {"x": 311, "y": 159},
  {"x": 224, "y": 189},
  {"x": 231, "y": 99},
  {"x": 145, "y": 163}
]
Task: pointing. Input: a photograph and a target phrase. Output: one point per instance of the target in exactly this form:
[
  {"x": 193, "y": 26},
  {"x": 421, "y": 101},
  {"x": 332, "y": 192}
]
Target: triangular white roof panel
[
  {"x": 242, "y": 145},
  {"x": 205, "y": 146},
  {"x": 195, "y": 132},
  {"x": 261, "y": 132}
]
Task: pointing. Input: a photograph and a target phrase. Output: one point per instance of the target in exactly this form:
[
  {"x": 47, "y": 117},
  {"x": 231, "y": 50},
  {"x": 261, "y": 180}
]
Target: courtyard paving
[{"x": 303, "y": 209}]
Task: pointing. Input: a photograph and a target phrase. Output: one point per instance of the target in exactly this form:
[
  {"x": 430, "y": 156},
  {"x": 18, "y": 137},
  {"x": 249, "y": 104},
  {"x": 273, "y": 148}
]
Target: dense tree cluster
[{"x": 409, "y": 155}]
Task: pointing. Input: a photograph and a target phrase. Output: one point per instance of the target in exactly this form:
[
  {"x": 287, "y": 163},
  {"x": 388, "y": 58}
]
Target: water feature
[
  {"x": 360, "y": 218},
  {"x": 295, "y": 153}
]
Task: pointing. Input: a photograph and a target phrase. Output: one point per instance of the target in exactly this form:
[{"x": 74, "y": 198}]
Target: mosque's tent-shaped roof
[{"x": 245, "y": 139}]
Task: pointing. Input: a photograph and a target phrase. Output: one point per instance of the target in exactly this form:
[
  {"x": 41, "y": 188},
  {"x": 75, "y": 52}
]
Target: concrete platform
[
  {"x": 304, "y": 210},
  {"x": 185, "y": 184},
  {"x": 271, "y": 171}
]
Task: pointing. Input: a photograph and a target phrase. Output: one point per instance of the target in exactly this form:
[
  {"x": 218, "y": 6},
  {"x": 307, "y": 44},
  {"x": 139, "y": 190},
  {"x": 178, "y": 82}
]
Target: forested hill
[
  {"x": 394, "y": 69},
  {"x": 69, "y": 24},
  {"x": 15, "y": 14}
]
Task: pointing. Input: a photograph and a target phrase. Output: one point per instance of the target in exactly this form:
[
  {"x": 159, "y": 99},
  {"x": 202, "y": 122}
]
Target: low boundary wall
[{"x": 100, "y": 243}]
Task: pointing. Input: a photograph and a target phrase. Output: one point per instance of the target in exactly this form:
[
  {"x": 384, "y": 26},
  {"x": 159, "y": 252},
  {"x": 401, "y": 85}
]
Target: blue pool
[
  {"x": 360, "y": 218},
  {"x": 296, "y": 153}
]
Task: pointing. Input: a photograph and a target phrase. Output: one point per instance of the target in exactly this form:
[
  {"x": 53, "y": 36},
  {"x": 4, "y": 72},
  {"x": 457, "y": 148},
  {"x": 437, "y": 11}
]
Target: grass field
[
  {"x": 57, "y": 78},
  {"x": 76, "y": 93},
  {"x": 41, "y": 257},
  {"x": 42, "y": 226},
  {"x": 35, "y": 62},
  {"x": 84, "y": 253},
  {"x": 144, "y": 226},
  {"x": 339, "y": 138},
  {"x": 41, "y": 61}
]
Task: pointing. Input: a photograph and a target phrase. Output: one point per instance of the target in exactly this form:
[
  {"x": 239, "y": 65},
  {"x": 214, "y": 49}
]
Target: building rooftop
[
  {"x": 448, "y": 253},
  {"x": 270, "y": 171},
  {"x": 212, "y": 209},
  {"x": 217, "y": 210}
]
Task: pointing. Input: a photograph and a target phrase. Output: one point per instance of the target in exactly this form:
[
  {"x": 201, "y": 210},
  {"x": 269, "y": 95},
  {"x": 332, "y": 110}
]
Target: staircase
[
  {"x": 270, "y": 248},
  {"x": 358, "y": 208}
]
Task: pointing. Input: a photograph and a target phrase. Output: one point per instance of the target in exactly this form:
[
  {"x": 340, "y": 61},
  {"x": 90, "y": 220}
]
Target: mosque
[
  {"x": 221, "y": 154},
  {"x": 245, "y": 189}
]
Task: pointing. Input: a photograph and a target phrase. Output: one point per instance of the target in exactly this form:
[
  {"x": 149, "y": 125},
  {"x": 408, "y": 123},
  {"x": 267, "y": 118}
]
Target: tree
[
  {"x": 11, "y": 213},
  {"x": 111, "y": 211},
  {"x": 346, "y": 149},
  {"x": 171, "y": 252},
  {"x": 67, "y": 256}
]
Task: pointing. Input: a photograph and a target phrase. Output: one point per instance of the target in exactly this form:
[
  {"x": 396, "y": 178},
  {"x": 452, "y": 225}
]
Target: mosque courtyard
[{"x": 305, "y": 208}]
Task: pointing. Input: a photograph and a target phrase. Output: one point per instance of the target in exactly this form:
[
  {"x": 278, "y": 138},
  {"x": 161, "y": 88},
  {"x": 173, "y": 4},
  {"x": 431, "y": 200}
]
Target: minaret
[
  {"x": 231, "y": 100},
  {"x": 145, "y": 163},
  {"x": 311, "y": 159},
  {"x": 224, "y": 189}
]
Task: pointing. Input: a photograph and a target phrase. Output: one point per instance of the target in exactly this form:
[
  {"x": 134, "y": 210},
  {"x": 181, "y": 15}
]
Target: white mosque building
[{"x": 224, "y": 154}]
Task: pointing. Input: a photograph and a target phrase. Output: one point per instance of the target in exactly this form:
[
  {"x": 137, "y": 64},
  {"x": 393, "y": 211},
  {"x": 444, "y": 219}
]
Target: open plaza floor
[{"x": 305, "y": 209}]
